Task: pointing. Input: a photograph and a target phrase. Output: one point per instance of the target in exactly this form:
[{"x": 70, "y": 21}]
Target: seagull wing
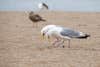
[{"x": 70, "y": 33}]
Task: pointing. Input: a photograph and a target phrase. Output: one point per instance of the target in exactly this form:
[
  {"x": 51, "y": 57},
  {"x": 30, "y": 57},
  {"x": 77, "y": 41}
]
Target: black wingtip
[
  {"x": 84, "y": 37},
  {"x": 87, "y": 35}
]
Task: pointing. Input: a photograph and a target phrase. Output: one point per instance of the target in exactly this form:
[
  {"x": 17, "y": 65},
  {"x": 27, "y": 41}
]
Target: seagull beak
[
  {"x": 42, "y": 35},
  {"x": 49, "y": 38}
]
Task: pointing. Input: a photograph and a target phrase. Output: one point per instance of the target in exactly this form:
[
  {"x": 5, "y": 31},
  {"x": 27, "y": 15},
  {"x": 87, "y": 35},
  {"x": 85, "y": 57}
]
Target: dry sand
[{"x": 21, "y": 45}]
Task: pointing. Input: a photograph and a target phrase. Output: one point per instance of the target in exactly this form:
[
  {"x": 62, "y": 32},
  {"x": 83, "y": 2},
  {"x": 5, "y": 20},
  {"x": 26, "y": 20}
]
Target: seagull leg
[
  {"x": 36, "y": 25},
  {"x": 68, "y": 43},
  {"x": 61, "y": 42},
  {"x": 57, "y": 40}
]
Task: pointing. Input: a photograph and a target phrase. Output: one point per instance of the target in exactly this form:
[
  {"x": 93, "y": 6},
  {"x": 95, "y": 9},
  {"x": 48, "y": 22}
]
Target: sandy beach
[{"x": 21, "y": 44}]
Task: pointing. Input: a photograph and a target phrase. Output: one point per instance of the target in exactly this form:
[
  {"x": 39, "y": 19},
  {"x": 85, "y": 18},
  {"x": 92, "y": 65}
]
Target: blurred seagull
[
  {"x": 43, "y": 6},
  {"x": 35, "y": 17},
  {"x": 61, "y": 34}
]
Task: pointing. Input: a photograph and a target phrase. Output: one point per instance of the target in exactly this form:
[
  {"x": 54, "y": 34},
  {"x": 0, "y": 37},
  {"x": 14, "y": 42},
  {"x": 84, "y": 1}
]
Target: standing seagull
[
  {"x": 61, "y": 34},
  {"x": 43, "y": 6},
  {"x": 35, "y": 17}
]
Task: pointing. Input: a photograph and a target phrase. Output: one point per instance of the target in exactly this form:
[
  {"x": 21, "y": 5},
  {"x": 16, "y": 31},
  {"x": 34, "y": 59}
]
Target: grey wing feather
[{"x": 70, "y": 33}]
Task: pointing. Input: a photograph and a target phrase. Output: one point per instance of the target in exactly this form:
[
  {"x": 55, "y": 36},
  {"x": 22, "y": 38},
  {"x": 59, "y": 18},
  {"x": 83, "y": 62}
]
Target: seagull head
[
  {"x": 31, "y": 13},
  {"x": 46, "y": 29},
  {"x": 40, "y": 5}
]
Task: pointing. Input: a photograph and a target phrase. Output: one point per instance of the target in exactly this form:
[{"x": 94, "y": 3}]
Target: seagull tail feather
[{"x": 43, "y": 19}]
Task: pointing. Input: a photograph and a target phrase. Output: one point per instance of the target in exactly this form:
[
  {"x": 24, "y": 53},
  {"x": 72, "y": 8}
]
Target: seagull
[
  {"x": 62, "y": 34},
  {"x": 35, "y": 17},
  {"x": 43, "y": 6}
]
